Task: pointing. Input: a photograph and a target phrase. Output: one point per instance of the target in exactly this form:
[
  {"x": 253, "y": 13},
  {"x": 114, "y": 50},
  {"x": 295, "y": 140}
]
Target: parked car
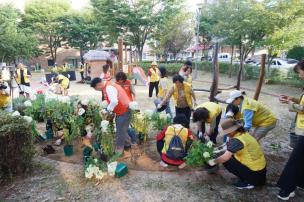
[
  {"x": 280, "y": 63},
  {"x": 223, "y": 57}
]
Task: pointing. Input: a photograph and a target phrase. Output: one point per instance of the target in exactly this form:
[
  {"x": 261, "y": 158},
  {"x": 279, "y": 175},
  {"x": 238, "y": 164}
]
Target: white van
[{"x": 224, "y": 57}]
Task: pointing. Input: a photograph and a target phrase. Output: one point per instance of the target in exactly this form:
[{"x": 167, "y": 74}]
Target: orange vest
[
  {"x": 123, "y": 99},
  {"x": 127, "y": 87}
]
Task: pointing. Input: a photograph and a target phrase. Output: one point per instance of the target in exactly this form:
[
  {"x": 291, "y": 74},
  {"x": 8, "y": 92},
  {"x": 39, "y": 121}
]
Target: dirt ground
[{"x": 53, "y": 180}]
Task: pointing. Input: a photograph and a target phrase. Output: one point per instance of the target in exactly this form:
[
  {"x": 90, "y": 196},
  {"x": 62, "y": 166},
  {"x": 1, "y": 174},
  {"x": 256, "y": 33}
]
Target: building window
[{"x": 51, "y": 62}]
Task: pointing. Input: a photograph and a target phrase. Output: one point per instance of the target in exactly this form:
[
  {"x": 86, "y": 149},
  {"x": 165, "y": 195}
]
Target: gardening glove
[
  {"x": 211, "y": 162},
  {"x": 206, "y": 137},
  {"x": 159, "y": 106},
  {"x": 200, "y": 135}
]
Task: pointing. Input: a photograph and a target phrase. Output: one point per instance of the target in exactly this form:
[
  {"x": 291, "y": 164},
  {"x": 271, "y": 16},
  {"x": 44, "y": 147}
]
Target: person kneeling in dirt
[
  {"x": 254, "y": 113},
  {"x": 174, "y": 141},
  {"x": 244, "y": 156},
  {"x": 64, "y": 84},
  {"x": 207, "y": 113}
]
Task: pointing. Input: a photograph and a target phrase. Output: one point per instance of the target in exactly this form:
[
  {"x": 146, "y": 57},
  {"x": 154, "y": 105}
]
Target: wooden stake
[
  {"x": 215, "y": 66},
  {"x": 261, "y": 78},
  {"x": 120, "y": 53}
]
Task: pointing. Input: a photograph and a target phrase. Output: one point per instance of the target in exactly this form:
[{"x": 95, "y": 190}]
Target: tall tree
[
  {"x": 81, "y": 30},
  {"x": 245, "y": 23},
  {"x": 43, "y": 17},
  {"x": 16, "y": 42},
  {"x": 134, "y": 19},
  {"x": 174, "y": 35}
]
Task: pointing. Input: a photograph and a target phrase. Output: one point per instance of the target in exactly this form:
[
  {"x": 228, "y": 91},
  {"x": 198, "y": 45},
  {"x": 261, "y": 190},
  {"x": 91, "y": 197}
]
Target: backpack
[{"x": 176, "y": 150}]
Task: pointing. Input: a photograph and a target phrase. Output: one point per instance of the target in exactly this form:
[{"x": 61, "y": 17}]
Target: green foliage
[
  {"x": 196, "y": 157},
  {"x": 18, "y": 105},
  {"x": 43, "y": 17},
  {"x": 296, "y": 53},
  {"x": 160, "y": 121},
  {"x": 16, "y": 149},
  {"x": 81, "y": 30},
  {"x": 137, "y": 20},
  {"x": 174, "y": 35},
  {"x": 107, "y": 141},
  {"x": 37, "y": 110},
  {"x": 16, "y": 42}
]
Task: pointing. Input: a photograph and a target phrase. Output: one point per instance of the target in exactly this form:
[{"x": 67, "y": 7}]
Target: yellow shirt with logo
[
  {"x": 252, "y": 154},
  {"x": 170, "y": 132},
  {"x": 25, "y": 74},
  {"x": 154, "y": 75},
  {"x": 187, "y": 90},
  {"x": 163, "y": 87},
  {"x": 263, "y": 116},
  {"x": 64, "y": 81},
  {"x": 213, "y": 108}
]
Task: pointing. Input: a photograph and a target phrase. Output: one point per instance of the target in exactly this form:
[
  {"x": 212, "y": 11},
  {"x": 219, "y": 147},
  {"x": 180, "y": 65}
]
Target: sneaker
[
  {"x": 163, "y": 164},
  {"x": 285, "y": 196},
  {"x": 243, "y": 185}
]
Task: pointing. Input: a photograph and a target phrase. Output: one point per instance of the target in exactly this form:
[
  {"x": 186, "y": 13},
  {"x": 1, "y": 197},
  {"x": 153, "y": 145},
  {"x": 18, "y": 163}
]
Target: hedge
[
  {"x": 250, "y": 72},
  {"x": 16, "y": 145}
]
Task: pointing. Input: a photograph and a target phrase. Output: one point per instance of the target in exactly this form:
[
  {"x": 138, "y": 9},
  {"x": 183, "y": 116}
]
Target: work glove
[
  {"x": 159, "y": 106},
  {"x": 211, "y": 162},
  {"x": 200, "y": 135}
]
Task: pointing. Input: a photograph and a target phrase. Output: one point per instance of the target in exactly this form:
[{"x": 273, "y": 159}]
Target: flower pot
[
  {"x": 49, "y": 134},
  {"x": 293, "y": 139},
  {"x": 68, "y": 150}
]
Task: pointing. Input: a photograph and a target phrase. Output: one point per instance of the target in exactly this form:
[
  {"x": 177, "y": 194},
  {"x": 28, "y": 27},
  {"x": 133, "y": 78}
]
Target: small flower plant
[
  {"x": 200, "y": 154},
  {"x": 94, "y": 168}
]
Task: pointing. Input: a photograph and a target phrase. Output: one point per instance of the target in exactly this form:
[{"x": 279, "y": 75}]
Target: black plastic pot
[{"x": 68, "y": 150}]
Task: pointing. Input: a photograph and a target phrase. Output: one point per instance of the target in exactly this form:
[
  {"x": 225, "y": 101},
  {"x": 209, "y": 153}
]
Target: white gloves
[
  {"x": 159, "y": 106},
  {"x": 200, "y": 135},
  {"x": 212, "y": 162}
]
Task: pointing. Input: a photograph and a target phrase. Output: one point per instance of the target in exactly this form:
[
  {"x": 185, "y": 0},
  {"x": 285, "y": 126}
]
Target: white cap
[{"x": 233, "y": 95}]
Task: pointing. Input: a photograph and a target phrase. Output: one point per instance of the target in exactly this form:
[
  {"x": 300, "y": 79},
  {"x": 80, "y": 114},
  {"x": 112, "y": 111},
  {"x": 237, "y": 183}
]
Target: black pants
[
  {"x": 82, "y": 77},
  {"x": 255, "y": 178},
  {"x": 214, "y": 133},
  {"x": 186, "y": 111},
  {"x": 293, "y": 173},
  {"x": 153, "y": 85}
]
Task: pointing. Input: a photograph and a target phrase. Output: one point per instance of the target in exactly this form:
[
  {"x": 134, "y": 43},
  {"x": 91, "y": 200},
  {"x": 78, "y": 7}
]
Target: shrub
[
  {"x": 37, "y": 110},
  {"x": 296, "y": 53},
  {"x": 18, "y": 105},
  {"x": 16, "y": 145}
]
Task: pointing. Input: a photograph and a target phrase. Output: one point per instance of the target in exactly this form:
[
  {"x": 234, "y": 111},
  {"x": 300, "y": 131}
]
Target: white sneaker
[
  {"x": 163, "y": 164},
  {"x": 285, "y": 196}
]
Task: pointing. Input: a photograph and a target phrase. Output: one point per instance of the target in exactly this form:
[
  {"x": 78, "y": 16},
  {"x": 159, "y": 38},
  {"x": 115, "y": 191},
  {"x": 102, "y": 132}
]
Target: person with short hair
[
  {"x": 118, "y": 103},
  {"x": 153, "y": 79},
  {"x": 164, "y": 87},
  {"x": 244, "y": 156},
  {"x": 121, "y": 79},
  {"x": 183, "y": 97},
  {"x": 254, "y": 114},
  {"x": 23, "y": 76},
  {"x": 179, "y": 128},
  {"x": 292, "y": 176},
  {"x": 207, "y": 114}
]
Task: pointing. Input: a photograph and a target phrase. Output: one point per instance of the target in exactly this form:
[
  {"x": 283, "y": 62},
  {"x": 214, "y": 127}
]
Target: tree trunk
[
  {"x": 120, "y": 53},
  {"x": 215, "y": 66},
  {"x": 231, "y": 66},
  {"x": 239, "y": 76},
  {"x": 261, "y": 78},
  {"x": 81, "y": 56}
]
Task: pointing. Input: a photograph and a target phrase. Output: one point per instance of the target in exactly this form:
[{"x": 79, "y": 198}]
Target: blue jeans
[
  {"x": 133, "y": 136},
  {"x": 167, "y": 110},
  {"x": 122, "y": 125}
]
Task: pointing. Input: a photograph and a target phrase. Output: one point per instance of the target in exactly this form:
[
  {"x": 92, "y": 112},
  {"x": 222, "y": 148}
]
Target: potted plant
[{"x": 68, "y": 147}]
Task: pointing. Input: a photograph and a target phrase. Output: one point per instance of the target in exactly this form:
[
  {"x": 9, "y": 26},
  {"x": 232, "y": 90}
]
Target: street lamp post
[{"x": 198, "y": 16}]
